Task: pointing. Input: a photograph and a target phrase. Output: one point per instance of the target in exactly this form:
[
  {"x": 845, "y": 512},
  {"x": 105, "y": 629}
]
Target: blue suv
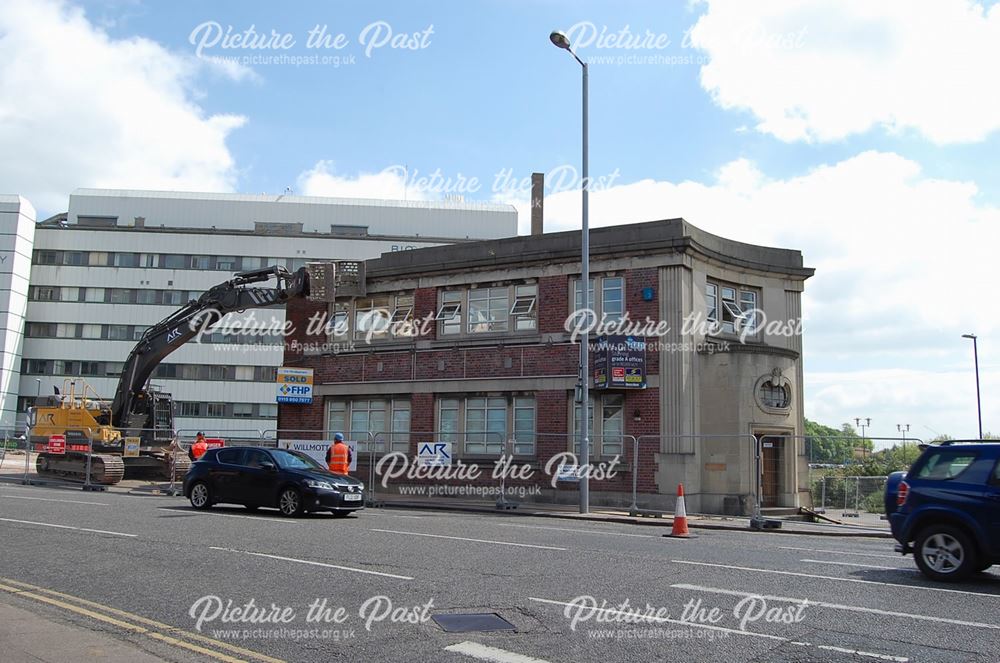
[{"x": 946, "y": 509}]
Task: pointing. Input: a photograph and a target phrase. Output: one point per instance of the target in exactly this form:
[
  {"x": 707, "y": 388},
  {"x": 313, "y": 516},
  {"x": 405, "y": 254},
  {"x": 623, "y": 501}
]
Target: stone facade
[{"x": 707, "y": 392}]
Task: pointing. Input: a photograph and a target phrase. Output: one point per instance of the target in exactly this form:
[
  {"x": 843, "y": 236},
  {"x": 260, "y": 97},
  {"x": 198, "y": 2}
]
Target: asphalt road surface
[{"x": 176, "y": 581}]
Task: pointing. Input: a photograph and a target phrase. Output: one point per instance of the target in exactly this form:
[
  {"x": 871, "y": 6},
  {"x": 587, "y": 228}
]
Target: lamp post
[
  {"x": 901, "y": 429},
  {"x": 979, "y": 405},
  {"x": 868, "y": 422},
  {"x": 562, "y": 41}
]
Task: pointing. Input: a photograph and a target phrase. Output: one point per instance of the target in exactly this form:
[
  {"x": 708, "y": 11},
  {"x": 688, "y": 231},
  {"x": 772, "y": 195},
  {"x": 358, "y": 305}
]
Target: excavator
[{"x": 139, "y": 412}]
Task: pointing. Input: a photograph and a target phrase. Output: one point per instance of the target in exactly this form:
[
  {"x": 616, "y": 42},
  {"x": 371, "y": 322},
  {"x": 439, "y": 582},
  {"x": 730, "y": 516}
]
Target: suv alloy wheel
[{"x": 945, "y": 553}]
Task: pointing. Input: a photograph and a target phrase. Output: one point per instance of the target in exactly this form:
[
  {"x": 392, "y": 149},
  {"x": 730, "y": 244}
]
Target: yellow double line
[{"x": 171, "y": 635}]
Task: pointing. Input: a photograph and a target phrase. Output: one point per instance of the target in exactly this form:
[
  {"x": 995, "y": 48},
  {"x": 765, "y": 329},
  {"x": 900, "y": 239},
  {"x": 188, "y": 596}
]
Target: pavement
[
  {"x": 28, "y": 637},
  {"x": 226, "y": 584}
]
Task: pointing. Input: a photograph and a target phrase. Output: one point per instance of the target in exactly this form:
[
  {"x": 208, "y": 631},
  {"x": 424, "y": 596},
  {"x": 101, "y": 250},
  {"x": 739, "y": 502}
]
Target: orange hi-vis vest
[
  {"x": 339, "y": 460},
  {"x": 199, "y": 448}
]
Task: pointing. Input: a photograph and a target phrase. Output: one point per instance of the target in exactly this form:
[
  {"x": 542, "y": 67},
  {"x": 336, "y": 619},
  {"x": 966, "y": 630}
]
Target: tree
[{"x": 825, "y": 444}]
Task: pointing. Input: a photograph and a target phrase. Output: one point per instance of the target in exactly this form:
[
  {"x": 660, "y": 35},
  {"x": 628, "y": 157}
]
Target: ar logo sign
[
  {"x": 438, "y": 453},
  {"x": 173, "y": 335}
]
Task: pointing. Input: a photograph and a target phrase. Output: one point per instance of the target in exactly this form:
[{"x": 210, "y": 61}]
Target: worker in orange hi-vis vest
[
  {"x": 199, "y": 447},
  {"x": 338, "y": 456}
]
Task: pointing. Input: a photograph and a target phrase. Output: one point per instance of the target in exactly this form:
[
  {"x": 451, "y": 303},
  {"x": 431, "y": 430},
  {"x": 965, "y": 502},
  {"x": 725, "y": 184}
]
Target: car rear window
[
  {"x": 229, "y": 456},
  {"x": 943, "y": 465}
]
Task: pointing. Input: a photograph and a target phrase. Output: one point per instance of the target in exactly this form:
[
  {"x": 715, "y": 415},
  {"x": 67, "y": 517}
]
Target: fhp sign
[
  {"x": 131, "y": 449},
  {"x": 56, "y": 445},
  {"x": 295, "y": 385}
]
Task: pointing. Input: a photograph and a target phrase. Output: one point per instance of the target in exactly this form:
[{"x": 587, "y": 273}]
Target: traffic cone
[{"x": 680, "y": 529}]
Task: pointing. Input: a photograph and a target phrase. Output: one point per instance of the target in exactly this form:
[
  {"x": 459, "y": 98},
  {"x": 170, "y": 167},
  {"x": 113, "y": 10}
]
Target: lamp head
[
  {"x": 972, "y": 336},
  {"x": 559, "y": 39}
]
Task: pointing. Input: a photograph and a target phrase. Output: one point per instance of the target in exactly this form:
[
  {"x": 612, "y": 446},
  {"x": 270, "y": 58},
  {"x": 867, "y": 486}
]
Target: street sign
[
  {"x": 568, "y": 473},
  {"x": 434, "y": 454},
  {"x": 294, "y": 385},
  {"x": 56, "y": 445},
  {"x": 316, "y": 449},
  {"x": 131, "y": 447}
]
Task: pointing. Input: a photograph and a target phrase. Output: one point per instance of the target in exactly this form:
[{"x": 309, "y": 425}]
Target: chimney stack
[{"x": 537, "y": 203}]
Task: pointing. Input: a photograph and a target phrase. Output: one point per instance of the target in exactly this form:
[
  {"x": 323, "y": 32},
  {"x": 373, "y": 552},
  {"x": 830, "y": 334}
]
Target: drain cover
[{"x": 476, "y": 621}]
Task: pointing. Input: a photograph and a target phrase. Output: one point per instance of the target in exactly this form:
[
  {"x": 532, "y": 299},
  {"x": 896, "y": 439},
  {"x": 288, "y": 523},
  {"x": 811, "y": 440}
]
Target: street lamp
[
  {"x": 979, "y": 406},
  {"x": 562, "y": 41},
  {"x": 868, "y": 422},
  {"x": 901, "y": 429}
]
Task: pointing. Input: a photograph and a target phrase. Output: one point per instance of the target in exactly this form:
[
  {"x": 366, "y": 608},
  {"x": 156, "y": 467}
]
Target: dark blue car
[
  {"x": 946, "y": 509},
  {"x": 287, "y": 480}
]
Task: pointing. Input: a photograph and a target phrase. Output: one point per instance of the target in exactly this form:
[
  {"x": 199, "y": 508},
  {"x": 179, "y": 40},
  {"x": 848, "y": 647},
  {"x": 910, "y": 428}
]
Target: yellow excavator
[{"x": 138, "y": 414}]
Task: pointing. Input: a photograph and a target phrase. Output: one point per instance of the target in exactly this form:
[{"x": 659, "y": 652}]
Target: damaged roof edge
[{"x": 630, "y": 239}]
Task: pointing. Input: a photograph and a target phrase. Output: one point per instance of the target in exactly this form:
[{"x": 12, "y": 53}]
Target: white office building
[{"x": 120, "y": 261}]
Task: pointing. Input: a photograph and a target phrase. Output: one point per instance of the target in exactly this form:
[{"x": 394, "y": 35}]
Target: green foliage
[{"x": 830, "y": 445}]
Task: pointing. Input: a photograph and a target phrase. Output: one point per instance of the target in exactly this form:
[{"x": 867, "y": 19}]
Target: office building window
[
  {"x": 479, "y": 425},
  {"x": 243, "y": 410},
  {"x": 226, "y": 263},
  {"x": 173, "y": 261},
  {"x": 118, "y": 333},
  {"x": 268, "y": 410},
  {"x": 610, "y": 425},
  {"x": 733, "y": 309},
  {"x": 387, "y": 419},
  {"x": 189, "y": 409},
  {"x": 450, "y": 312},
  {"x": 215, "y": 409}
]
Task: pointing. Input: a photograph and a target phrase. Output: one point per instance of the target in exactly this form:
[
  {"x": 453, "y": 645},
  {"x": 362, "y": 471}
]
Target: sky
[{"x": 863, "y": 134}]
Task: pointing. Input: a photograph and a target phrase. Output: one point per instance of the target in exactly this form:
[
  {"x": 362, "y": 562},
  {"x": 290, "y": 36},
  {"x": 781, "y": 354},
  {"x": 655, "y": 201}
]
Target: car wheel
[
  {"x": 945, "y": 553},
  {"x": 201, "y": 497},
  {"x": 290, "y": 502}
]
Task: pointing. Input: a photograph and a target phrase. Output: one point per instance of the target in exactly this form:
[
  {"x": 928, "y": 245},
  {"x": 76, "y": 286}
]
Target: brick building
[{"x": 469, "y": 344}]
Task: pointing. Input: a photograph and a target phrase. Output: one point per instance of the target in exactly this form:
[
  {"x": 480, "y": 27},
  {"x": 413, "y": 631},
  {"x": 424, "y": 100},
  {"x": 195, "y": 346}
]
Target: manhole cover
[{"x": 476, "y": 621}]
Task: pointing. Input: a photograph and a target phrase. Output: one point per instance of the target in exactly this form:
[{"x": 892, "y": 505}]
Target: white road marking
[
  {"x": 855, "y": 652},
  {"x": 861, "y": 566},
  {"x": 78, "y": 529},
  {"x": 484, "y": 653},
  {"x": 841, "y": 552},
  {"x": 462, "y": 538},
  {"x": 667, "y": 620},
  {"x": 578, "y": 531},
  {"x": 884, "y": 657},
  {"x": 49, "y": 499},
  {"x": 810, "y": 575},
  {"x": 836, "y": 606},
  {"x": 312, "y": 563},
  {"x": 196, "y": 512}
]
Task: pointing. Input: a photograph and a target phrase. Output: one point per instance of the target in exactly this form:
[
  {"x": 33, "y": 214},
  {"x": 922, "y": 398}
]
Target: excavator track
[{"x": 105, "y": 469}]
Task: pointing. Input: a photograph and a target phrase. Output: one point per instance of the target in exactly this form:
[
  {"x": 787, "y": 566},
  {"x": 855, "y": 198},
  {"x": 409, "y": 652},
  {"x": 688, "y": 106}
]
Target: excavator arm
[{"x": 195, "y": 318}]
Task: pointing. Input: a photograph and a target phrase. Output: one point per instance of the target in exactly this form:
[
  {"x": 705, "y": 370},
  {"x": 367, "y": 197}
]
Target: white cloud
[
  {"x": 389, "y": 184},
  {"x": 82, "y": 109},
  {"x": 904, "y": 265},
  {"x": 820, "y": 70}
]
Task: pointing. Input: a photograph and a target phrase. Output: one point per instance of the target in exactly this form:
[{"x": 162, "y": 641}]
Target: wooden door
[{"x": 771, "y": 452}]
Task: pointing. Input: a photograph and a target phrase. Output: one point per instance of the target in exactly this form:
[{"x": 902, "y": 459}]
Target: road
[{"x": 150, "y": 563}]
